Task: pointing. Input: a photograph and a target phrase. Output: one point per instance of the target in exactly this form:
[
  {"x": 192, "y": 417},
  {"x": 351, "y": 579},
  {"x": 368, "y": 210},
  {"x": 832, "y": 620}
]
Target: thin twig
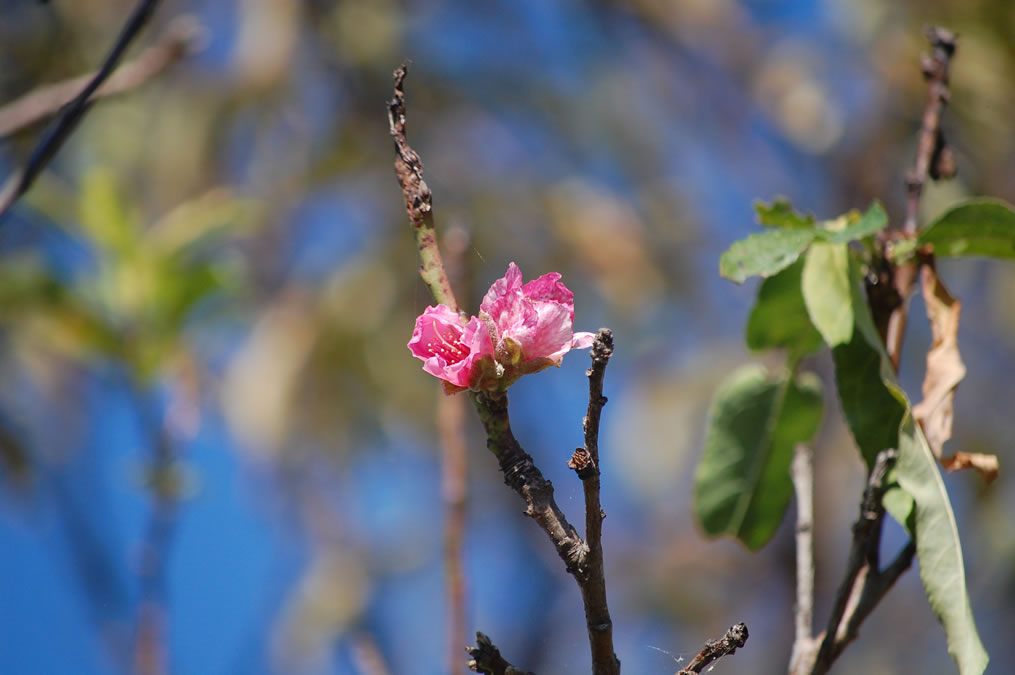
[
  {"x": 934, "y": 158},
  {"x": 182, "y": 37},
  {"x": 486, "y": 658},
  {"x": 804, "y": 645},
  {"x": 734, "y": 639},
  {"x": 585, "y": 462},
  {"x": 19, "y": 183}
]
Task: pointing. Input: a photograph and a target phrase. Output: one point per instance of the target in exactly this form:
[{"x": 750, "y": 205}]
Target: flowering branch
[
  {"x": 522, "y": 328},
  {"x": 734, "y": 639}
]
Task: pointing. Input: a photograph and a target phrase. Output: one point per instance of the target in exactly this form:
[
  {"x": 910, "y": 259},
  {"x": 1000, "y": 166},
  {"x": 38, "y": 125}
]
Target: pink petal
[{"x": 582, "y": 340}]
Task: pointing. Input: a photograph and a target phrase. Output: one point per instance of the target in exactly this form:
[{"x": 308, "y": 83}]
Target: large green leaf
[
  {"x": 938, "y": 548},
  {"x": 825, "y": 286},
  {"x": 779, "y": 318},
  {"x": 764, "y": 254},
  {"x": 880, "y": 417},
  {"x": 742, "y": 486},
  {"x": 979, "y": 227}
]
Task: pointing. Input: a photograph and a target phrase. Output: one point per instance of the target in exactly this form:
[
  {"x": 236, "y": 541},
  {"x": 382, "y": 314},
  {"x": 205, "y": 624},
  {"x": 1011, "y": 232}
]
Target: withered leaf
[
  {"x": 987, "y": 465},
  {"x": 944, "y": 364}
]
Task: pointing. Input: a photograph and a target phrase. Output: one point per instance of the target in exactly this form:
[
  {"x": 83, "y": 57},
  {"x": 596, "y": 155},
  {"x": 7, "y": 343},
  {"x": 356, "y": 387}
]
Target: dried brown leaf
[
  {"x": 987, "y": 465},
  {"x": 944, "y": 364}
]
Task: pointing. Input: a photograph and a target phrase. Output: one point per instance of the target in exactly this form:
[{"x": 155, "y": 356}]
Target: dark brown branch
[
  {"x": 522, "y": 476},
  {"x": 805, "y": 647},
  {"x": 486, "y": 658},
  {"x": 72, "y": 114},
  {"x": 734, "y": 639},
  {"x": 182, "y": 37},
  {"x": 864, "y": 584},
  {"x": 586, "y": 463}
]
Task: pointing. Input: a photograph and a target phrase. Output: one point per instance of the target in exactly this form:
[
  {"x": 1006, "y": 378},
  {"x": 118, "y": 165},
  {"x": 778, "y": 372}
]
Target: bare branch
[
  {"x": 863, "y": 584},
  {"x": 19, "y": 183},
  {"x": 183, "y": 36},
  {"x": 586, "y": 464},
  {"x": 734, "y": 639}
]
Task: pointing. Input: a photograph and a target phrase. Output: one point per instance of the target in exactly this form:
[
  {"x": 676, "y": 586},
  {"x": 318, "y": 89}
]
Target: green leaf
[
  {"x": 938, "y": 548},
  {"x": 979, "y": 227},
  {"x": 781, "y": 214},
  {"x": 742, "y": 485},
  {"x": 880, "y": 417},
  {"x": 855, "y": 229},
  {"x": 104, "y": 215},
  {"x": 779, "y": 318},
  {"x": 217, "y": 212},
  {"x": 764, "y": 254},
  {"x": 825, "y": 284}
]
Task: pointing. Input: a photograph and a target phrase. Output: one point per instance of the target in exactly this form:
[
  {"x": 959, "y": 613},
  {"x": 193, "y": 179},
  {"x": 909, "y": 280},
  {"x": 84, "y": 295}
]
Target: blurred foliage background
[{"x": 206, "y": 300}]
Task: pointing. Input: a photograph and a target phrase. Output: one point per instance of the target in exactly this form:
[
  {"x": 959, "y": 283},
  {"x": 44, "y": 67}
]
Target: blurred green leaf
[
  {"x": 871, "y": 222},
  {"x": 780, "y": 213},
  {"x": 764, "y": 254},
  {"x": 779, "y": 317},
  {"x": 825, "y": 286},
  {"x": 104, "y": 214},
  {"x": 742, "y": 485},
  {"x": 979, "y": 227},
  {"x": 880, "y": 417},
  {"x": 215, "y": 213}
]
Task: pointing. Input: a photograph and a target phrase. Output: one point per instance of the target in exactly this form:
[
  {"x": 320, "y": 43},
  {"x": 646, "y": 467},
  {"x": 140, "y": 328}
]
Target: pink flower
[
  {"x": 531, "y": 322},
  {"x": 521, "y": 329},
  {"x": 449, "y": 350}
]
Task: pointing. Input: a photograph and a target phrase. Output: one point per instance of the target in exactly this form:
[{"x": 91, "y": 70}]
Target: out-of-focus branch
[
  {"x": 418, "y": 198},
  {"x": 151, "y": 642},
  {"x": 734, "y": 639},
  {"x": 863, "y": 584},
  {"x": 486, "y": 658},
  {"x": 804, "y": 645},
  {"x": 183, "y": 36},
  {"x": 933, "y": 158},
  {"x": 454, "y": 470},
  {"x": 585, "y": 462},
  {"x": 19, "y": 183}
]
